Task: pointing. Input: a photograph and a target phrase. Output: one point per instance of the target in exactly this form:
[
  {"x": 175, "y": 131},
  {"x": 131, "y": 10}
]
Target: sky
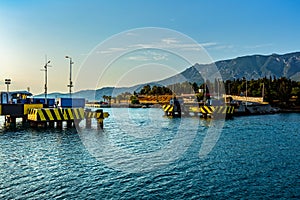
[{"x": 83, "y": 29}]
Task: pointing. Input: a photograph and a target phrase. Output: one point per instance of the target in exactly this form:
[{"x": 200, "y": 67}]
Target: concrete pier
[{"x": 37, "y": 116}]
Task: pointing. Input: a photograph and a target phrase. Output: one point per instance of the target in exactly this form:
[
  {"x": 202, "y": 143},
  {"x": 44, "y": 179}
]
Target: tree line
[{"x": 274, "y": 90}]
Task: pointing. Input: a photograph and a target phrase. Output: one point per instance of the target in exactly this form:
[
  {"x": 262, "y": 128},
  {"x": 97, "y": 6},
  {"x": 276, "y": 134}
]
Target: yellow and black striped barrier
[
  {"x": 55, "y": 114},
  {"x": 168, "y": 108},
  {"x": 97, "y": 115},
  {"x": 213, "y": 109},
  {"x": 70, "y": 115}
]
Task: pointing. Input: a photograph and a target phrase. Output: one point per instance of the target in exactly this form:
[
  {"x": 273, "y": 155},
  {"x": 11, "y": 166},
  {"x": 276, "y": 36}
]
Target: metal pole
[
  {"x": 7, "y": 82},
  {"x": 70, "y": 84},
  {"x": 46, "y": 79},
  {"x": 45, "y": 83},
  {"x": 70, "y": 77}
]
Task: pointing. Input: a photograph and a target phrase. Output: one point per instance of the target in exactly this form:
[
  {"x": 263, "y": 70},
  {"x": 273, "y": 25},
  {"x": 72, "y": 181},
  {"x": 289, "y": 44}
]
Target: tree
[{"x": 134, "y": 99}]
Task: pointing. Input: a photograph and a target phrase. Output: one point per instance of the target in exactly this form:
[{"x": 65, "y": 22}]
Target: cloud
[
  {"x": 111, "y": 50},
  {"x": 138, "y": 58},
  {"x": 143, "y": 46},
  {"x": 131, "y": 34},
  {"x": 163, "y": 44},
  {"x": 149, "y": 56},
  {"x": 208, "y": 44},
  {"x": 171, "y": 43},
  {"x": 258, "y": 46},
  {"x": 221, "y": 47},
  {"x": 169, "y": 40}
]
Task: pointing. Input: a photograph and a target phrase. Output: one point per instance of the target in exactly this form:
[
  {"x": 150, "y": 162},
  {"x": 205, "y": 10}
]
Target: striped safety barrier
[
  {"x": 97, "y": 115},
  {"x": 213, "y": 109},
  {"x": 168, "y": 108},
  {"x": 55, "y": 114}
]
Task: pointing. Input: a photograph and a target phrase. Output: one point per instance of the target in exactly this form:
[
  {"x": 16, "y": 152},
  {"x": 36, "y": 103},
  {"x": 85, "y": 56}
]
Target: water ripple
[{"x": 256, "y": 157}]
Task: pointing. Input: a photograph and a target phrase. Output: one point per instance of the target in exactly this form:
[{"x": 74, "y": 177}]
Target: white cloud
[
  {"x": 258, "y": 46},
  {"x": 208, "y": 44},
  {"x": 131, "y": 34},
  {"x": 171, "y": 44},
  {"x": 111, "y": 50},
  {"x": 138, "y": 58},
  {"x": 143, "y": 46},
  {"x": 165, "y": 43},
  {"x": 220, "y": 47},
  {"x": 169, "y": 41}
]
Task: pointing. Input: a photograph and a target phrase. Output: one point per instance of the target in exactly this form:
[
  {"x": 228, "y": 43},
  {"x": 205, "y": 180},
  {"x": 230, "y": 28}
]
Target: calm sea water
[{"x": 143, "y": 155}]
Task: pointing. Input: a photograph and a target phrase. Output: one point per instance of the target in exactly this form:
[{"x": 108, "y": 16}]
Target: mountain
[
  {"x": 257, "y": 66},
  {"x": 250, "y": 67}
]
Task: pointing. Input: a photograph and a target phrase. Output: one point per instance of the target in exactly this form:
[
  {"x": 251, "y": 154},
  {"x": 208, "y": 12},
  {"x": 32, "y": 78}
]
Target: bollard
[
  {"x": 100, "y": 117},
  {"x": 88, "y": 120},
  {"x": 100, "y": 124}
]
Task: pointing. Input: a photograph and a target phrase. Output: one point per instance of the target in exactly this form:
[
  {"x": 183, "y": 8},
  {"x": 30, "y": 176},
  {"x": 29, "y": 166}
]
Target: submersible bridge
[{"x": 39, "y": 112}]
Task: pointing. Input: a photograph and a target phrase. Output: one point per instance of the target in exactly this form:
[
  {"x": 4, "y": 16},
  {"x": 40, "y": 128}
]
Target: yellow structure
[{"x": 55, "y": 114}]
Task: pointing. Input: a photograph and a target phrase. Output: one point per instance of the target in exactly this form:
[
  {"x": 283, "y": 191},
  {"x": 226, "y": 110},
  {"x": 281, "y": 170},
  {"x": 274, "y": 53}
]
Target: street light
[
  {"x": 7, "y": 82},
  {"x": 46, "y": 78},
  {"x": 70, "y": 84}
]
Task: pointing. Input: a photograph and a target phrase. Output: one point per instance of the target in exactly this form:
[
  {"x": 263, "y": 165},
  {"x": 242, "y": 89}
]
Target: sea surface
[{"x": 141, "y": 154}]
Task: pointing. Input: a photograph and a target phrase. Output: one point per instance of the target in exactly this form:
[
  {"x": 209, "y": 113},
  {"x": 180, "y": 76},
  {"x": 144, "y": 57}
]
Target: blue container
[
  {"x": 71, "y": 102},
  {"x": 50, "y": 102}
]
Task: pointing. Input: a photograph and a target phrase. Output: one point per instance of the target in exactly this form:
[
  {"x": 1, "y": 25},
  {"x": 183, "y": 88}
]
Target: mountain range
[{"x": 249, "y": 67}]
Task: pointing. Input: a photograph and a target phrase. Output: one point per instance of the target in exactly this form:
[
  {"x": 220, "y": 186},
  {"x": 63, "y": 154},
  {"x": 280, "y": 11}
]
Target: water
[{"x": 142, "y": 155}]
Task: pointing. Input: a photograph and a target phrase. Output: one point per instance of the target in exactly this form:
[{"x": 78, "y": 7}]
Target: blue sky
[{"x": 31, "y": 29}]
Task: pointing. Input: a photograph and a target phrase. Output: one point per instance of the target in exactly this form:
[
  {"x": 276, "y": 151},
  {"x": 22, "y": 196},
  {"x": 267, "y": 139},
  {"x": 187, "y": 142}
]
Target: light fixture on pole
[
  {"x": 7, "y": 82},
  {"x": 46, "y": 78},
  {"x": 70, "y": 83}
]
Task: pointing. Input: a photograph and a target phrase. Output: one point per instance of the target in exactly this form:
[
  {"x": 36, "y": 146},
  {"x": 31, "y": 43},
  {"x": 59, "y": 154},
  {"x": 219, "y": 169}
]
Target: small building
[{"x": 15, "y": 97}]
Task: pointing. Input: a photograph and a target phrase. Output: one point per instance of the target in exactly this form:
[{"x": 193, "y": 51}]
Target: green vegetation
[
  {"x": 107, "y": 98},
  {"x": 155, "y": 90},
  {"x": 280, "y": 91},
  {"x": 274, "y": 90},
  {"x": 134, "y": 99}
]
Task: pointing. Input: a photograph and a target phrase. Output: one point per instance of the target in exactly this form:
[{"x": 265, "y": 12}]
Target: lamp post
[
  {"x": 7, "y": 82},
  {"x": 46, "y": 78},
  {"x": 70, "y": 84}
]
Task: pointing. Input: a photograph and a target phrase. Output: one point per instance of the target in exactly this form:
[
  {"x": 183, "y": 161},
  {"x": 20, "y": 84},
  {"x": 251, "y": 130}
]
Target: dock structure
[
  {"x": 51, "y": 116},
  {"x": 99, "y": 115},
  {"x": 38, "y": 116},
  {"x": 177, "y": 108},
  {"x": 44, "y": 114},
  {"x": 72, "y": 116},
  {"x": 213, "y": 111},
  {"x": 14, "y": 111},
  {"x": 204, "y": 111}
]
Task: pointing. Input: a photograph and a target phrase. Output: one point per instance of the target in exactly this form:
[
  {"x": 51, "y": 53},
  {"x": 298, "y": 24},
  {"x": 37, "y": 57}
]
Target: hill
[{"x": 258, "y": 66}]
